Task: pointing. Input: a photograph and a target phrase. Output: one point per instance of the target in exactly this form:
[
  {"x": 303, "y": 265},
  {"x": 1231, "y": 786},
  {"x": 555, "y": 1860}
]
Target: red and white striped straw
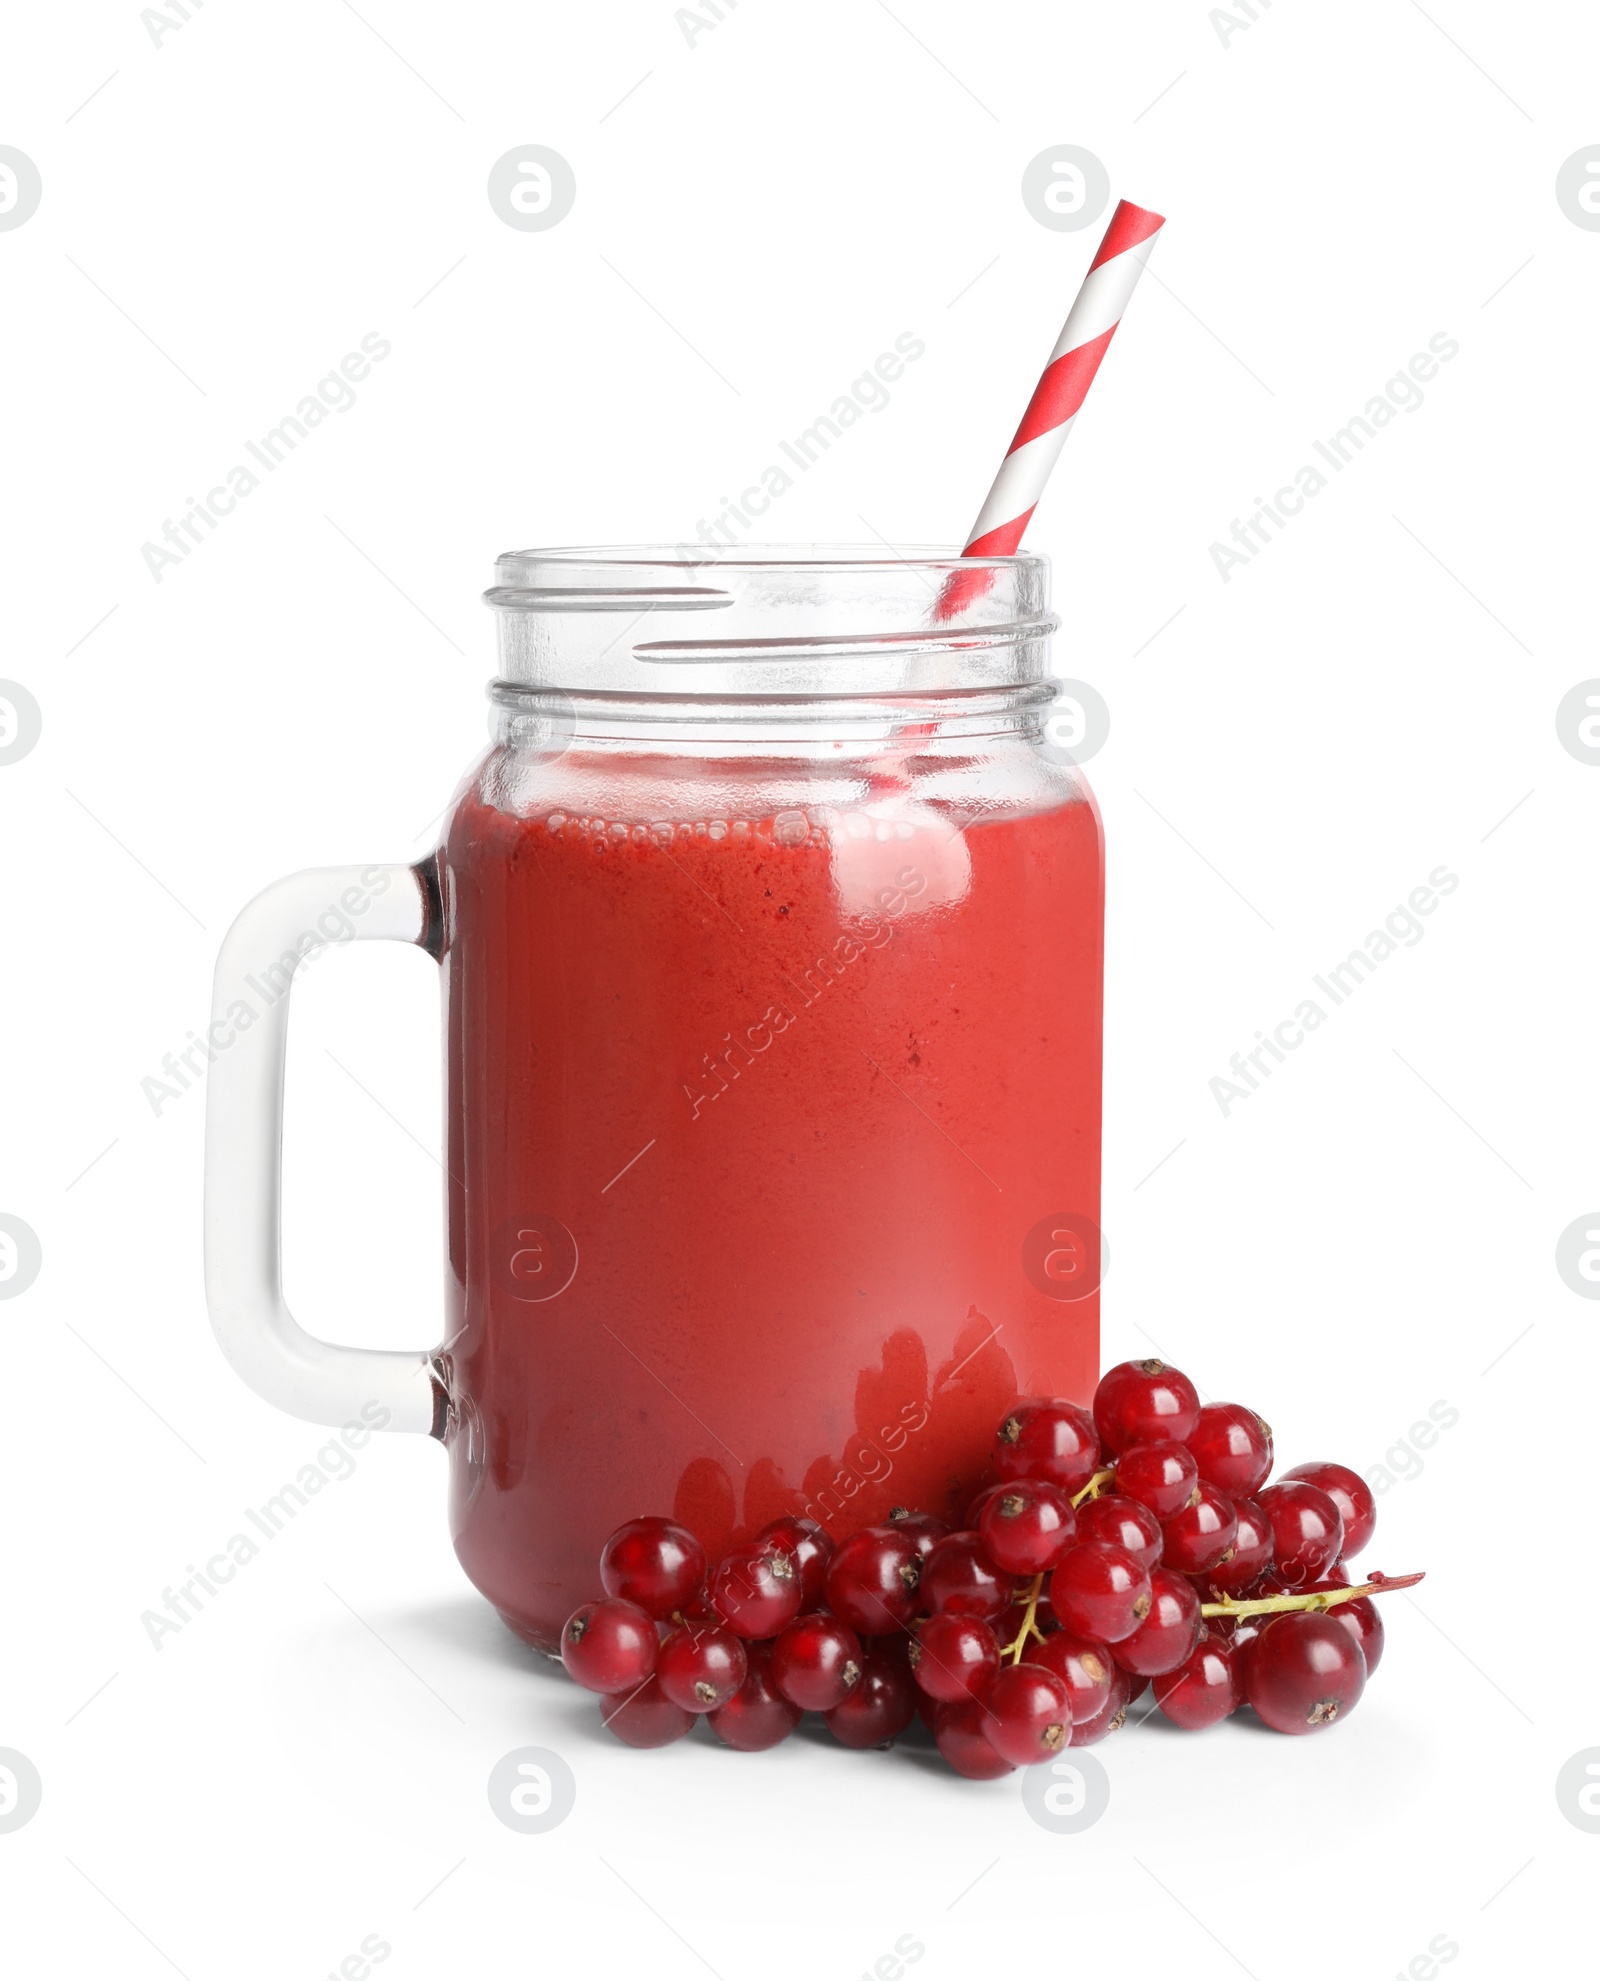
[{"x": 1090, "y": 324}]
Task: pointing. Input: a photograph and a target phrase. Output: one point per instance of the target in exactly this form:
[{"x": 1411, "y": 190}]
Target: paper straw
[{"x": 1089, "y": 328}]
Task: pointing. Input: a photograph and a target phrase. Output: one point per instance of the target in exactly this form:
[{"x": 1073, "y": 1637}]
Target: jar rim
[{"x": 770, "y": 619}]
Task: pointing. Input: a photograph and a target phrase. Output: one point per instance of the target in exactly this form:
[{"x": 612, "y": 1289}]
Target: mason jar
[{"x": 770, "y": 926}]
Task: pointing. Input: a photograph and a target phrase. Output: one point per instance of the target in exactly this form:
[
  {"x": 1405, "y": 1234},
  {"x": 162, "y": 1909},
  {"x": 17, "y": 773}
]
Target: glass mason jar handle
[{"x": 244, "y": 1147}]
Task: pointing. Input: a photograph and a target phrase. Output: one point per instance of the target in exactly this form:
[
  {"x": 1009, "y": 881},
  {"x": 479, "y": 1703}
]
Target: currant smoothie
[{"x": 773, "y": 1147}]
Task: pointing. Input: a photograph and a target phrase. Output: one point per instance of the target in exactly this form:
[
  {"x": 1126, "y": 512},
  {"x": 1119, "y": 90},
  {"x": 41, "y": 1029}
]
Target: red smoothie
[{"x": 762, "y": 1120}]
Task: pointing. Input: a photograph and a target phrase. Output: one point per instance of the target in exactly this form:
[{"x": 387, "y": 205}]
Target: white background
[{"x": 1291, "y": 753}]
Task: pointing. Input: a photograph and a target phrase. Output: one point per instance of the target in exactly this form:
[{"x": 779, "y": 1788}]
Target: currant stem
[
  {"x": 1019, "y": 1643},
  {"x": 1092, "y": 1490},
  {"x": 1313, "y": 1599}
]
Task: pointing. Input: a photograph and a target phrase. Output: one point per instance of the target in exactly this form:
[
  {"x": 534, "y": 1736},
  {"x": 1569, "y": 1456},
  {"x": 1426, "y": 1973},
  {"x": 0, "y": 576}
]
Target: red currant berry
[
  {"x": 816, "y": 1662},
  {"x": 1205, "y": 1688},
  {"x": 1139, "y": 1401},
  {"x": 1138, "y": 1683},
  {"x": 1350, "y": 1493},
  {"x": 1160, "y": 1475},
  {"x": 959, "y": 1576},
  {"x": 1238, "y": 1573},
  {"x": 879, "y": 1709},
  {"x": 958, "y": 1732},
  {"x": 873, "y": 1580},
  {"x": 1200, "y": 1536},
  {"x": 1168, "y": 1634},
  {"x": 808, "y": 1546},
  {"x": 1029, "y": 1714},
  {"x": 1233, "y": 1448},
  {"x": 1303, "y": 1671},
  {"x": 758, "y": 1715},
  {"x": 1360, "y": 1617},
  {"x": 1084, "y": 1664},
  {"x": 980, "y": 1499},
  {"x": 755, "y": 1590},
  {"x": 954, "y": 1657},
  {"x": 645, "y": 1717},
  {"x": 1307, "y": 1531},
  {"x": 926, "y": 1529},
  {"x": 654, "y": 1563},
  {"x": 1124, "y": 1523},
  {"x": 1110, "y": 1717},
  {"x": 609, "y": 1646},
  {"x": 1028, "y": 1528},
  {"x": 1045, "y": 1437},
  {"x": 700, "y": 1667},
  {"x": 1101, "y": 1591}
]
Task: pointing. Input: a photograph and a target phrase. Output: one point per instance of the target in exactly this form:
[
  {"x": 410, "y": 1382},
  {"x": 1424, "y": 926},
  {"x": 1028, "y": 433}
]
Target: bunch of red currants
[{"x": 1131, "y": 1545}]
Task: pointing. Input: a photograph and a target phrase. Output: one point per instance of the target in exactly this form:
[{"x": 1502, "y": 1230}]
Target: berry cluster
[{"x": 1131, "y": 1545}]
